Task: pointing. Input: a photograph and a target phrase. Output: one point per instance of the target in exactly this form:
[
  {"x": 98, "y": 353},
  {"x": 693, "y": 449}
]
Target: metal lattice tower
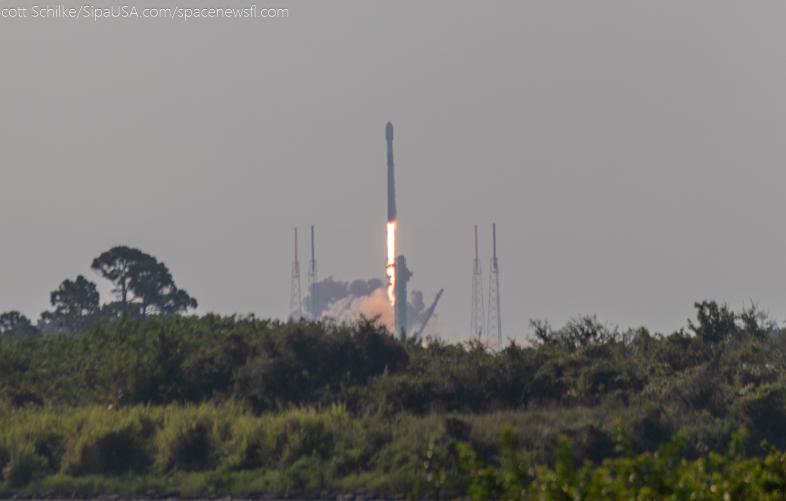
[
  {"x": 313, "y": 306},
  {"x": 295, "y": 311},
  {"x": 495, "y": 323},
  {"x": 477, "y": 293}
]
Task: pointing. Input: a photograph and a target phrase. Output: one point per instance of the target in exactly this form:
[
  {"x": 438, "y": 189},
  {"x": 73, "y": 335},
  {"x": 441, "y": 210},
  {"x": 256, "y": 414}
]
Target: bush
[
  {"x": 110, "y": 443},
  {"x": 187, "y": 444},
  {"x": 23, "y": 466},
  {"x": 115, "y": 453}
]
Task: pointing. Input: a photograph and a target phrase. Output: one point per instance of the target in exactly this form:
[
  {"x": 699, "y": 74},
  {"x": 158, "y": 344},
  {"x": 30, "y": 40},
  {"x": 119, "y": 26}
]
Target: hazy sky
[{"x": 631, "y": 153}]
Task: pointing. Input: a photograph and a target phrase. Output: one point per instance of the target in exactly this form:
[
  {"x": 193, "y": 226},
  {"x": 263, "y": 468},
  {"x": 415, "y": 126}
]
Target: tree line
[
  {"x": 143, "y": 286},
  {"x": 725, "y": 370}
]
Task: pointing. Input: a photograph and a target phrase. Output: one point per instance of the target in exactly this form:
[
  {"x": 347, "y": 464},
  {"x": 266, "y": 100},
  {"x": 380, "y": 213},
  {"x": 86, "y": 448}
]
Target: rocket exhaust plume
[{"x": 391, "y": 241}]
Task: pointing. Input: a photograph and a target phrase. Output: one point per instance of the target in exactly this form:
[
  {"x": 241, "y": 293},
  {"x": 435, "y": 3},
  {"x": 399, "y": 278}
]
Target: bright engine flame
[{"x": 391, "y": 267}]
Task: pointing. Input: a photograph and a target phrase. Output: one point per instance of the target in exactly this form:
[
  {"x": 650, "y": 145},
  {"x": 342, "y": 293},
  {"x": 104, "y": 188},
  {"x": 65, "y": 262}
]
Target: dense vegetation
[{"x": 227, "y": 404}]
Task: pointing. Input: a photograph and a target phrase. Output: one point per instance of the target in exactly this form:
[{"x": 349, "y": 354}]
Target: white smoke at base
[
  {"x": 348, "y": 302},
  {"x": 350, "y": 309}
]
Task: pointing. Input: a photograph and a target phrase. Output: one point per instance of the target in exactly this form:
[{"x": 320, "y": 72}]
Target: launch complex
[{"x": 398, "y": 275}]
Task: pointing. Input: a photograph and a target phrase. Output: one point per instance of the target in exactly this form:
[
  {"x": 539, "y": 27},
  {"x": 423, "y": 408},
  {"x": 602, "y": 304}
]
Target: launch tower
[
  {"x": 400, "y": 308},
  {"x": 477, "y": 294},
  {"x": 494, "y": 319},
  {"x": 313, "y": 282}
]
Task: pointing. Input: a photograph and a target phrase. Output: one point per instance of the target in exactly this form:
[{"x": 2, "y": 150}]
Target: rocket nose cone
[{"x": 389, "y": 132}]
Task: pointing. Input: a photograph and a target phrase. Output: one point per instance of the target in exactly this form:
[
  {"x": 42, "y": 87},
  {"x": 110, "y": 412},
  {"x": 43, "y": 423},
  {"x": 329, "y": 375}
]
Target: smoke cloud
[{"x": 346, "y": 302}]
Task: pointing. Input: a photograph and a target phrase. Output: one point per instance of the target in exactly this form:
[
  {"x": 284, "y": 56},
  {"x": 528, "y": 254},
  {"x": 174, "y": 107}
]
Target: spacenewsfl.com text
[{"x": 96, "y": 13}]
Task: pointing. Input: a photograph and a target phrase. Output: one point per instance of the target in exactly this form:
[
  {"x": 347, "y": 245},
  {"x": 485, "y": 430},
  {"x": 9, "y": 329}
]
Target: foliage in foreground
[
  {"x": 726, "y": 371},
  {"x": 200, "y": 449},
  {"x": 327, "y": 406},
  {"x": 664, "y": 474},
  {"x": 227, "y": 450}
]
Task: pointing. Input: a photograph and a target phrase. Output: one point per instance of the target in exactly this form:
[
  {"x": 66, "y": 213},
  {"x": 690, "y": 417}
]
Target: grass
[{"x": 226, "y": 449}]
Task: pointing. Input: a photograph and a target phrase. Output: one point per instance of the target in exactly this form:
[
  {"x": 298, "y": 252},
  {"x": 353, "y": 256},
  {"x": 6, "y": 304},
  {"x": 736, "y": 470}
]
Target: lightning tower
[
  {"x": 295, "y": 311},
  {"x": 495, "y": 323},
  {"x": 477, "y": 293},
  {"x": 313, "y": 306}
]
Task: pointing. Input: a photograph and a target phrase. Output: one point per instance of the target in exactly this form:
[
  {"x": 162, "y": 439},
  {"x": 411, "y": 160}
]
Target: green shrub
[
  {"x": 190, "y": 437},
  {"x": 5, "y": 457},
  {"x": 651, "y": 430},
  {"x": 24, "y": 465},
  {"x": 51, "y": 446},
  {"x": 109, "y": 443},
  {"x": 114, "y": 453}
]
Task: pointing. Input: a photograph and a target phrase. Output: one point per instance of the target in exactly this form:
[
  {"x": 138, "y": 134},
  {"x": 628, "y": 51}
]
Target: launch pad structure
[
  {"x": 493, "y": 329},
  {"x": 402, "y": 277},
  {"x": 429, "y": 313},
  {"x": 494, "y": 317},
  {"x": 477, "y": 321},
  {"x": 313, "y": 282}
]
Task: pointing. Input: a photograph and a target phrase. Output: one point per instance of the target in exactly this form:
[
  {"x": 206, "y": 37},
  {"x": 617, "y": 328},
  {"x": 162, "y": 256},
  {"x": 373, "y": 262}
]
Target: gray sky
[{"x": 631, "y": 153}]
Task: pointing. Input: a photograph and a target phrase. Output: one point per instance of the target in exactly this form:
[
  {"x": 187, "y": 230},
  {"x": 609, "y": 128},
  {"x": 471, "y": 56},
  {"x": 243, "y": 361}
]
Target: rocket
[{"x": 391, "y": 179}]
